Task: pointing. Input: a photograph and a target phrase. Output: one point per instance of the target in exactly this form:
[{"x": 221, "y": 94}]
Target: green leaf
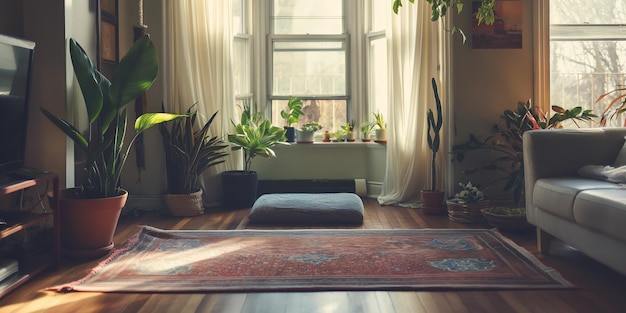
[
  {"x": 148, "y": 120},
  {"x": 88, "y": 79}
]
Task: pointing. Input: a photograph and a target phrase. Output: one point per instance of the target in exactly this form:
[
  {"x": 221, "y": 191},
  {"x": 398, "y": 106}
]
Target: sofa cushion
[
  {"x": 620, "y": 160},
  {"x": 603, "y": 210},
  {"x": 556, "y": 194}
]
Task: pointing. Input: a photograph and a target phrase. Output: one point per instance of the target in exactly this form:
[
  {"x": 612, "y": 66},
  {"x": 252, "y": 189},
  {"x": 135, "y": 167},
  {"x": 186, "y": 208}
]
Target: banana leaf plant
[
  {"x": 189, "y": 152},
  {"x": 255, "y": 135},
  {"x": 106, "y": 145},
  {"x": 505, "y": 144}
]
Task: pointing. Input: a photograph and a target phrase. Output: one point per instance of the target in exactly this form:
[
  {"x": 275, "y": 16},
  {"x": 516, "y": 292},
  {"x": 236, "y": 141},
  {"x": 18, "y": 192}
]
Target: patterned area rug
[{"x": 157, "y": 260}]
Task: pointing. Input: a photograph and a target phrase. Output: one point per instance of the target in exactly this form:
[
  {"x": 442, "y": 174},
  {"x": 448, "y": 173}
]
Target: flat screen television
[{"x": 16, "y": 63}]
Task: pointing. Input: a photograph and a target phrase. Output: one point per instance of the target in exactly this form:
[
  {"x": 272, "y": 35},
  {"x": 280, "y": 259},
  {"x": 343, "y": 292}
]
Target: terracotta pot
[
  {"x": 87, "y": 226},
  {"x": 433, "y": 202}
]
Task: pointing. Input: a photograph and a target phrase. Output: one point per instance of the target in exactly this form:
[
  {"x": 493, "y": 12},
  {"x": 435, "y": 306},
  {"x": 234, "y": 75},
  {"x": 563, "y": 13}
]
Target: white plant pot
[
  {"x": 305, "y": 136},
  {"x": 381, "y": 134}
]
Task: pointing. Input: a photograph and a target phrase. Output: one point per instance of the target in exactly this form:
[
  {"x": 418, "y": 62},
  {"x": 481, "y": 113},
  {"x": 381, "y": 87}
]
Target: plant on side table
[
  {"x": 189, "y": 152},
  {"x": 291, "y": 117},
  {"x": 89, "y": 213},
  {"x": 433, "y": 198},
  {"x": 256, "y": 136}
]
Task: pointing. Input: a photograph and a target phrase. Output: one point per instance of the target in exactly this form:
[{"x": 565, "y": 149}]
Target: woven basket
[
  {"x": 467, "y": 212},
  {"x": 185, "y": 204},
  {"x": 511, "y": 222}
]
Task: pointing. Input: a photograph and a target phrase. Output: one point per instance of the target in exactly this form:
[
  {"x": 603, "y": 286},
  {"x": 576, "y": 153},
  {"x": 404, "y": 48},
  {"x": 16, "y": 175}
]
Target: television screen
[{"x": 16, "y": 57}]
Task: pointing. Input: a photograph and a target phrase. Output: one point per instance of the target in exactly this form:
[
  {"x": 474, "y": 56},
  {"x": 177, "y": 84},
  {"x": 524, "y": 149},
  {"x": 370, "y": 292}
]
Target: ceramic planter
[{"x": 304, "y": 136}]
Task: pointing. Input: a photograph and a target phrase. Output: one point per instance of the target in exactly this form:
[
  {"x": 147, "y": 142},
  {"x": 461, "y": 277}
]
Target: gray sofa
[{"x": 586, "y": 213}]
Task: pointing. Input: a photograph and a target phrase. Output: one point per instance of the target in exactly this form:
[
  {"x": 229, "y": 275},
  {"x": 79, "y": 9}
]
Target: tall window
[
  {"x": 377, "y": 57},
  {"x": 242, "y": 53},
  {"x": 308, "y": 51},
  {"x": 587, "y": 51}
]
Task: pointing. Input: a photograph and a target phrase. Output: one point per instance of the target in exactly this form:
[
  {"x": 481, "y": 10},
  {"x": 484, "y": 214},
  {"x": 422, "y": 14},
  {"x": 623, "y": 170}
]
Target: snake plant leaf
[
  {"x": 68, "y": 129},
  {"x": 88, "y": 79},
  {"x": 135, "y": 73}
]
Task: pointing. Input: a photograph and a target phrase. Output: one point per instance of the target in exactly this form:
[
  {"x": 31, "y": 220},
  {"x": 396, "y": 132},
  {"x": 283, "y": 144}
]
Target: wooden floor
[{"x": 599, "y": 288}]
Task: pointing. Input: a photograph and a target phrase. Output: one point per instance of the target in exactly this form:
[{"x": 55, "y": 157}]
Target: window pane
[
  {"x": 331, "y": 114},
  {"x": 378, "y": 14},
  {"x": 377, "y": 85},
  {"x": 581, "y": 71},
  {"x": 241, "y": 67},
  {"x": 238, "y": 27},
  {"x": 315, "y": 72},
  {"x": 307, "y": 17},
  {"x": 587, "y": 12}
]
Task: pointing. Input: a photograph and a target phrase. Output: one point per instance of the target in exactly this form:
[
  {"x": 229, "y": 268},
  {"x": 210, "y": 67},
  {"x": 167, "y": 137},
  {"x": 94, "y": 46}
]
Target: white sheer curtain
[
  {"x": 413, "y": 53},
  {"x": 197, "y": 67}
]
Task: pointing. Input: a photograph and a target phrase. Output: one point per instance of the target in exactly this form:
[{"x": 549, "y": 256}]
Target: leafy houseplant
[
  {"x": 433, "y": 198},
  {"x": 381, "y": 127},
  {"x": 106, "y": 148},
  {"x": 616, "y": 106},
  {"x": 306, "y": 133},
  {"x": 188, "y": 153},
  {"x": 291, "y": 116},
  {"x": 506, "y": 142},
  {"x": 256, "y": 136},
  {"x": 466, "y": 206},
  {"x": 365, "y": 129},
  {"x": 348, "y": 130}
]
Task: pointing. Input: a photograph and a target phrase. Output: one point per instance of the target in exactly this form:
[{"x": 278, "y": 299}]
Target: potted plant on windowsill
[
  {"x": 189, "y": 152},
  {"x": 256, "y": 136},
  {"x": 365, "y": 129},
  {"x": 348, "y": 130},
  {"x": 291, "y": 117},
  {"x": 89, "y": 213},
  {"x": 381, "y": 128},
  {"x": 433, "y": 198},
  {"x": 306, "y": 134}
]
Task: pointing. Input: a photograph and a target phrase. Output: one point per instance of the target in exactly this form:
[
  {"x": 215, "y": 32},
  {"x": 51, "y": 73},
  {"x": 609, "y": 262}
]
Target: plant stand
[{"x": 467, "y": 212}]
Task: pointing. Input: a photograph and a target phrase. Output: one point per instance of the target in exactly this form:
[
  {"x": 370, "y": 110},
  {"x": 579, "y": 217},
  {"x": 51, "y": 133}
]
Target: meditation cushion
[{"x": 307, "y": 208}]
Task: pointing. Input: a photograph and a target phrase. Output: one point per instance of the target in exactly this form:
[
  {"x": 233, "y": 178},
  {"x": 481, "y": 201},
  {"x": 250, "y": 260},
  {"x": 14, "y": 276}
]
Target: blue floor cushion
[{"x": 307, "y": 208}]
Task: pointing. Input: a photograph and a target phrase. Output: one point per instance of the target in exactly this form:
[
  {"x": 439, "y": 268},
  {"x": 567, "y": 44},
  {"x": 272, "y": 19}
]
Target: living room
[{"x": 482, "y": 83}]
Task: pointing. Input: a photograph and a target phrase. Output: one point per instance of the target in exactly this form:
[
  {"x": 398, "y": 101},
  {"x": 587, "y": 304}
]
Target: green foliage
[
  {"x": 366, "y": 127},
  {"x": 506, "y": 143},
  {"x": 295, "y": 111},
  {"x": 439, "y": 9},
  {"x": 433, "y": 133},
  {"x": 379, "y": 120},
  {"x": 106, "y": 110},
  {"x": 255, "y": 135},
  {"x": 348, "y": 127},
  {"x": 189, "y": 152},
  {"x": 311, "y": 127}
]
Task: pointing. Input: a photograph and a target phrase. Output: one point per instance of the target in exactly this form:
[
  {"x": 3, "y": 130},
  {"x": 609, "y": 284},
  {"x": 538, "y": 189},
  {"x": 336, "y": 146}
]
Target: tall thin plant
[{"x": 434, "y": 138}]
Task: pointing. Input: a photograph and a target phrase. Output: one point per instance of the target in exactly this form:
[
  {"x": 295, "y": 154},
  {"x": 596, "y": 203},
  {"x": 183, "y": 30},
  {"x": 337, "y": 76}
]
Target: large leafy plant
[
  {"x": 189, "y": 152},
  {"x": 291, "y": 116},
  {"x": 506, "y": 146},
  {"x": 255, "y": 135},
  {"x": 106, "y": 147}
]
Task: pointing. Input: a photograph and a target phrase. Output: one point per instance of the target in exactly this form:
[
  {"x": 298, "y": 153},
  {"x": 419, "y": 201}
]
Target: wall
[{"x": 485, "y": 83}]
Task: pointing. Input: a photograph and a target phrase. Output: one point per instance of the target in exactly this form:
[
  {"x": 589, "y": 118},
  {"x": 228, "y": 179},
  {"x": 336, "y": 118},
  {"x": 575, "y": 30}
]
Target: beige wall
[{"x": 486, "y": 82}]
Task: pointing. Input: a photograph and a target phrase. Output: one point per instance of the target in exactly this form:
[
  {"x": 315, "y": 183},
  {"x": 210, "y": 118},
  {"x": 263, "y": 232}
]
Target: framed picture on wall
[{"x": 505, "y": 32}]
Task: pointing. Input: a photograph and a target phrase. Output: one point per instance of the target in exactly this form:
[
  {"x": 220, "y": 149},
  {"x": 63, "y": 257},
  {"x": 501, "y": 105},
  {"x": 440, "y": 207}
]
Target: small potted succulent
[
  {"x": 307, "y": 132},
  {"x": 381, "y": 127},
  {"x": 348, "y": 130},
  {"x": 366, "y": 128}
]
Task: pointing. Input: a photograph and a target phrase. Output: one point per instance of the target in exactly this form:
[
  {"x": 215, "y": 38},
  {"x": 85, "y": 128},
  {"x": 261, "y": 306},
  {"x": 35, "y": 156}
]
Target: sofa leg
[{"x": 543, "y": 241}]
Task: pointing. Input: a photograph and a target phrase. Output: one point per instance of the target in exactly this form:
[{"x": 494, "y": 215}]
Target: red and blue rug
[{"x": 156, "y": 260}]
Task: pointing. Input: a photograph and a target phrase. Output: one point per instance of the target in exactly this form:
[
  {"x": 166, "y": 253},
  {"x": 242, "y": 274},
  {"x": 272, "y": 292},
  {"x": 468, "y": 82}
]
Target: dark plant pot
[
  {"x": 239, "y": 189},
  {"x": 290, "y": 133},
  {"x": 88, "y": 225},
  {"x": 433, "y": 202}
]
